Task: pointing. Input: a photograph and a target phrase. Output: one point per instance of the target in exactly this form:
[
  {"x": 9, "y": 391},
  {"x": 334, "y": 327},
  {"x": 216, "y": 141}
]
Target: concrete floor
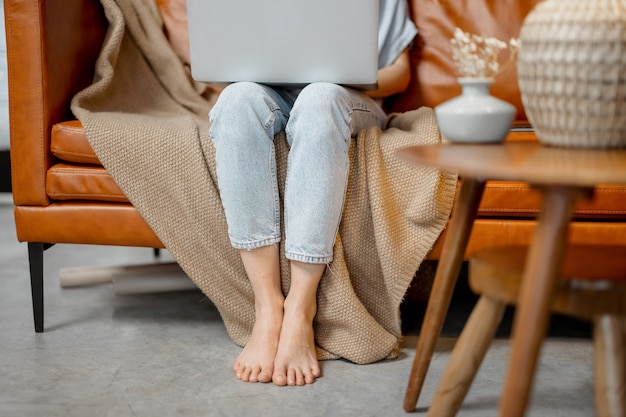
[{"x": 169, "y": 355}]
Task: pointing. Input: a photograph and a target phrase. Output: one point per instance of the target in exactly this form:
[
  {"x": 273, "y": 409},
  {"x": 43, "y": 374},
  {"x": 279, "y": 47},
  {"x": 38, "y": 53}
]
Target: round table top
[{"x": 527, "y": 161}]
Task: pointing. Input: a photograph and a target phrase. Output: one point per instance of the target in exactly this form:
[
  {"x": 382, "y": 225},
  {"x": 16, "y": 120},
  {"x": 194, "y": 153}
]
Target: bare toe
[
  {"x": 265, "y": 376},
  {"x": 280, "y": 376}
]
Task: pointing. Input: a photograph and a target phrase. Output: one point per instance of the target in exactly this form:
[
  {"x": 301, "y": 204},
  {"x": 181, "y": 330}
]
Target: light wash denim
[{"x": 319, "y": 121}]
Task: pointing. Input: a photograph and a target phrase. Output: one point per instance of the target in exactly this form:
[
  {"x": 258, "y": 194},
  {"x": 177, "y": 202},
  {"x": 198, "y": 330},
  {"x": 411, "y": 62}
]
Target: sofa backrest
[
  {"x": 434, "y": 76},
  {"x": 434, "y": 72}
]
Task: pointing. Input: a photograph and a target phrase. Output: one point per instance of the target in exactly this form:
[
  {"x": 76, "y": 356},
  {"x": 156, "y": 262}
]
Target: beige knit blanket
[{"x": 147, "y": 122}]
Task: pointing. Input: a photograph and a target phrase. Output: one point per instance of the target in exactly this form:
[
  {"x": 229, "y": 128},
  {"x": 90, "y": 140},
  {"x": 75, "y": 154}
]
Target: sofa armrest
[{"x": 52, "y": 46}]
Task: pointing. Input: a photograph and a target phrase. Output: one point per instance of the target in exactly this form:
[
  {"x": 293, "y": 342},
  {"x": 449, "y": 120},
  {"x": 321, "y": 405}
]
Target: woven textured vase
[{"x": 572, "y": 72}]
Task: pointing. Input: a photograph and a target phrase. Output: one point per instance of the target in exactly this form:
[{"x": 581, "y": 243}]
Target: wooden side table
[{"x": 564, "y": 176}]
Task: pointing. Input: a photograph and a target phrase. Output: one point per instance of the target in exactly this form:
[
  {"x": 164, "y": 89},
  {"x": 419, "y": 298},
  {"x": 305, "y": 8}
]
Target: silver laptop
[{"x": 284, "y": 42}]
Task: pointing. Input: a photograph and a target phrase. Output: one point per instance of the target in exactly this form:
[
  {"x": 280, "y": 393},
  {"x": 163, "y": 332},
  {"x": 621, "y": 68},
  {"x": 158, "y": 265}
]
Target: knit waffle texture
[{"x": 147, "y": 121}]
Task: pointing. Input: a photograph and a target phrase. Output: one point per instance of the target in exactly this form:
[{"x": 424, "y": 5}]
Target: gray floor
[{"x": 169, "y": 355}]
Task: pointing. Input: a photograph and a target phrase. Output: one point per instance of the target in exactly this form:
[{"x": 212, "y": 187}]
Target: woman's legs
[
  {"x": 321, "y": 124},
  {"x": 244, "y": 121},
  {"x": 243, "y": 124},
  {"x": 296, "y": 360},
  {"x": 256, "y": 361}
]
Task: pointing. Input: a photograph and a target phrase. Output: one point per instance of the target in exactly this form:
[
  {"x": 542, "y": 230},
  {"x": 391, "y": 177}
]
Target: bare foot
[
  {"x": 296, "y": 360},
  {"x": 256, "y": 362}
]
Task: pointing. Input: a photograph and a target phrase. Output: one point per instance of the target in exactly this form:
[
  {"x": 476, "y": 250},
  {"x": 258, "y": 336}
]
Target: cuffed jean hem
[
  {"x": 308, "y": 259},
  {"x": 255, "y": 244}
]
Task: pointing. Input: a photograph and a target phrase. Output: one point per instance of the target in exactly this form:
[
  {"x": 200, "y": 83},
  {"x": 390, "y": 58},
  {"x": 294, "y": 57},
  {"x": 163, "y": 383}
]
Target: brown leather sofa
[{"x": 63, "y": 195}]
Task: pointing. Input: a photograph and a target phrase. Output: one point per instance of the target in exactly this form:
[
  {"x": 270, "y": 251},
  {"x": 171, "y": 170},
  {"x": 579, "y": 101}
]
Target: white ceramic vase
[{"x": 475, "y": 116}]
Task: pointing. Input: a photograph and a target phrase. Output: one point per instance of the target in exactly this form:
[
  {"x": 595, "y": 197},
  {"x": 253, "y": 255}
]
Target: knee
[
  {"x": 235, "y": 98},
  {"x": 322, "y": 98},
  {"x": 323, "y": 108},
  {"x": 242, "y": 112}
]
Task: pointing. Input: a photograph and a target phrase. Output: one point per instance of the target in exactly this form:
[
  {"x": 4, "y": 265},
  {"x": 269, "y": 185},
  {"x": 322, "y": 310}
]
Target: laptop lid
[{"x": 285, "y": 42}]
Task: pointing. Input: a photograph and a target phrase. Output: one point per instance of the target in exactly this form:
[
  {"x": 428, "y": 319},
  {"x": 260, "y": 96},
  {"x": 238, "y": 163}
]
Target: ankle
[
  {"x": 272, "y": 306},
  {"x": 302, "y": 310}
]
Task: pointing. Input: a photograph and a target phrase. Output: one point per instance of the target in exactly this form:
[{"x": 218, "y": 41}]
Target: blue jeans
[{"x": 319, "y": 121}]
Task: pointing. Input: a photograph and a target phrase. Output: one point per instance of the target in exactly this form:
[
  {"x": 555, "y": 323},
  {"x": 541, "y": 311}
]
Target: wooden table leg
[
  {"x": 539, "y": 281},
  {"x": 609, "y": 351},
  {"x": 445, "y": 280},
  {"x": 468, "y": 354}
]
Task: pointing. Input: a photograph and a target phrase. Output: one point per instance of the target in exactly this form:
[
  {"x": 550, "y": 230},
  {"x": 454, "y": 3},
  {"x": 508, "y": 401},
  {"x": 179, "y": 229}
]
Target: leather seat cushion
[
  {"x": 83, "y": 178},
  {"x": 82, "y": 182},
  {"x": 518, "y": 199},
  {"x": 69, "y": 143}
]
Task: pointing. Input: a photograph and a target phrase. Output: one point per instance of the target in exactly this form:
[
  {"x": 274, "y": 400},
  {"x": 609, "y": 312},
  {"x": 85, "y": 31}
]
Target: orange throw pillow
[{"x": 174, "y": 14}]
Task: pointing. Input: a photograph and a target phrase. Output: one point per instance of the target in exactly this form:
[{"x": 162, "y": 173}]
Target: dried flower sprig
[{"x": 477, "y": 56}]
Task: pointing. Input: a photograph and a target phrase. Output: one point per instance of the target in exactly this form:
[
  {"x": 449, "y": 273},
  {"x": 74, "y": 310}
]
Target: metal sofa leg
[{"x": 35, "y": 261}]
